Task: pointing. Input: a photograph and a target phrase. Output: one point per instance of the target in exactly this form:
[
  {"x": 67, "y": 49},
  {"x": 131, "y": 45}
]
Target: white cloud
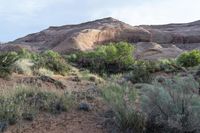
[
  {"x": 157, "y": 12},
  {"x": 25, "y": 8}
]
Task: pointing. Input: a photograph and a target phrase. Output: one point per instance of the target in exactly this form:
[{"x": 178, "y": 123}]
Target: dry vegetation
[{"x": 142, "y": 96}]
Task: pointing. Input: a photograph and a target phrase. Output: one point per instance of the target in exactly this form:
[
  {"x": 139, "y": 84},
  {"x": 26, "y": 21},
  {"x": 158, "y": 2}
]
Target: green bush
[
  {"x": 26, "y": 54},
  {"x": 189, "y": 59},
  {"x": 111, "y": 58},
  {"x": 6, "y": 63},
  {"x": 169, "y": 65},
  {"x": 53, "y": 62},
  {"x": 141, "y": 72},
  {"x": 25, "y": 62},
  {"x": 172, "y": 105},
  {"x": 49, "y": 60},
  {"x": 72, "y": 57},
  {"x": 123, "y": 102}
]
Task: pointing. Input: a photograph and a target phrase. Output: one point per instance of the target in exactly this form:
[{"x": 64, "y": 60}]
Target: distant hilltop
[{"x": 86, "y": 36}]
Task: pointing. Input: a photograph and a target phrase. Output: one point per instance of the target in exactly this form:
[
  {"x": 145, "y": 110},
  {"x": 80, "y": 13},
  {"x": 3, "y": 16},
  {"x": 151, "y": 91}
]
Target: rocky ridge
[{"x": 86, "y": 36}]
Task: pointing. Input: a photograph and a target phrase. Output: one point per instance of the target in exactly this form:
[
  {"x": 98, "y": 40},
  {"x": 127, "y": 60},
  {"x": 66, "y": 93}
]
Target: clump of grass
[{"x": 25, "y": 103}]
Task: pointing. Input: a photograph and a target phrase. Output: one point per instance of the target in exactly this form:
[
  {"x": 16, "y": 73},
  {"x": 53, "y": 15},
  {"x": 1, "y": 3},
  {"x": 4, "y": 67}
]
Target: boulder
[{"x": 154, "y": 51}]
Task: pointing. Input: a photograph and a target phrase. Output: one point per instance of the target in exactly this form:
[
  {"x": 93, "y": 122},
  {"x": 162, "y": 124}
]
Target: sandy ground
[{"x": 69, "y": 122}]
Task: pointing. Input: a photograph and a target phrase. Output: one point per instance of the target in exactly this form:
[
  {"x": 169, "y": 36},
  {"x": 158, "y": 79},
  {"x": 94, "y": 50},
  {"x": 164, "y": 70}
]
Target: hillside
[
  {"x": 103, "y": 90},
  {"x": 175, "y": 33},
  {"x": 87, "y": 35},
  {"x": 82, "y": 36},
  {"x": 172, "y": 39}
]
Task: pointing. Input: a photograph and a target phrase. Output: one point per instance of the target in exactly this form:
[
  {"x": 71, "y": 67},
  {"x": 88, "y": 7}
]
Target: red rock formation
[
  {"x": 83, "y": 36},
  {"x": 86, "y": 36}
]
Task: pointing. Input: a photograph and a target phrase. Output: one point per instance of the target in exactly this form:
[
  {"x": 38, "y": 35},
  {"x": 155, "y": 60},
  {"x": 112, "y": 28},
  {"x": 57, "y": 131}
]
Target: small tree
[{"x": 113, "y": 58}]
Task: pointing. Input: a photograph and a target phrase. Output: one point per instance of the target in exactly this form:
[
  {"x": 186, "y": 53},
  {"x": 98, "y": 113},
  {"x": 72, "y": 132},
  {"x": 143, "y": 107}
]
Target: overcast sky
[{"x": 21, "y": 17}]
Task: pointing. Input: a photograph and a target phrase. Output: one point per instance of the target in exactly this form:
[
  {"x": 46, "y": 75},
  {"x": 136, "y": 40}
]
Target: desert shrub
[
  {"x": 23, "y": 66},
  {"x": 123, "y": 102},
  {"x": 141, "y": 72},
  {"x": 172, "y": 105},
  {"x": 110, "y": 58},
  {"x": 26, "y": 103},
  {"x": 189, "y": 59},
  {"x": 26, "y": 62},
  {"x": 45, "y": 72},
  {"x": 24, "y": 53},
  {"x": 20, "y": 62},
  {"x": 169, "y": 65},
  {"x": 52, "y": 61},
  {"x": 72, "y": 57},
  {"x": 117, "y": 78},
  {"x": 6, "y": 63}
]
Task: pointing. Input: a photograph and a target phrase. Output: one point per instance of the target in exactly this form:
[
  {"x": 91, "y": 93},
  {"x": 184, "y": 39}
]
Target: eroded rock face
[{"x": 84, "y": 36}]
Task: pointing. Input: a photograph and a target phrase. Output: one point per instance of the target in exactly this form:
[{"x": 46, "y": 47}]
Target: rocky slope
[
  {"x": 175, "y": 33},
  {"x": 83, "y": 36},
  {"x": 87, "y": 35}
]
